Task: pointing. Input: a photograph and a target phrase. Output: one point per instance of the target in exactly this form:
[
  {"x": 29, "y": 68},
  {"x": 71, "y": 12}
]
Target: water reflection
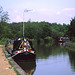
[
  {"x": 44, "y": 51},
  {"x": 62, "y": 44},
  {"x": 72, "y": 59},
  {"x": 28, "y": 66},
  {"x": 52, "y": 60}
]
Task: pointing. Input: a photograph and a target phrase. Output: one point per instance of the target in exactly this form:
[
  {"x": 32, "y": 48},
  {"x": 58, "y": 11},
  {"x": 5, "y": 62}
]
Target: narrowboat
[
  {"x": 21, "y": 49},
  {"x": 64, "y": 39}
]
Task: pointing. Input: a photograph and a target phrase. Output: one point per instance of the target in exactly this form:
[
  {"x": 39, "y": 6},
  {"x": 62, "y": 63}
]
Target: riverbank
[
  {"x": 70, "y": 46},
  {"x": 5, "y": 68}
]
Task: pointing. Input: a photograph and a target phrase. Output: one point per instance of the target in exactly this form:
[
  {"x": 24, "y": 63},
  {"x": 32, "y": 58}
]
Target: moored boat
[
  {"x": 64, "y": 39},
  {"x": 21, "y": 49}
]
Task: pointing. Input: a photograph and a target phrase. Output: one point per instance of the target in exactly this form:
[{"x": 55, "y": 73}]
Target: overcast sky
[{"x": 59, "y": 11}]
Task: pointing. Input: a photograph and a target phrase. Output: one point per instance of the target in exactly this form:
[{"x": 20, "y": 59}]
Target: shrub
[{"x": 4, "y": 40}]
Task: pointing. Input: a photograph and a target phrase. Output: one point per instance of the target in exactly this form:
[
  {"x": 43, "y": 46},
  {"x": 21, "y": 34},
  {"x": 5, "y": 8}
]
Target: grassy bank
[
  {"x": 70, "y": 46},
  {"x": 71, "y": 43},
  {"x": 17, "y": 73}
]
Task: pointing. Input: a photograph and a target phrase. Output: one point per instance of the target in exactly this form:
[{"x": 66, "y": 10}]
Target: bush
[
  {"x": 4, "y": 40},
  {"x": 48, "y": 39},
  {"x": 73, "y": 39}
]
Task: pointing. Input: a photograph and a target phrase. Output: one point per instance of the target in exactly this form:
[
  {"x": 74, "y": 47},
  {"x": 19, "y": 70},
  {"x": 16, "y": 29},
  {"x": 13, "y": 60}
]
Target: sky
[{"x": 53, "y": 11}]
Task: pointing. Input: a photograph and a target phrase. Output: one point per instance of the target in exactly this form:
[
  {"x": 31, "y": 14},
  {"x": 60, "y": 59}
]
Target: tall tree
[
  {"x": 3, "y": 19},
  {"x": 71, "y": 31},
  {"x": 3, "y": 15}
]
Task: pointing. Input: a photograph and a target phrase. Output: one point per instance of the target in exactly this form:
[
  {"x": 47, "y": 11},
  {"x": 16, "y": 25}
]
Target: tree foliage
[
  {"x": 71, "y": 30},
  {"x": 3, "y": 15},
  {"x": 32, "y": 30}
]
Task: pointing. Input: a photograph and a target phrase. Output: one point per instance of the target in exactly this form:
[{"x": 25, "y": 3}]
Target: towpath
[{"x": 5, "y": 68}]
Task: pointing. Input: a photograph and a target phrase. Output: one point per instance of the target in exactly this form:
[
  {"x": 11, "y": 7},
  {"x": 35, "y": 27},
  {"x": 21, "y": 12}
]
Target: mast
[
  {"x": 23, "y": 20},
  {"x": 23, "y": 30}
]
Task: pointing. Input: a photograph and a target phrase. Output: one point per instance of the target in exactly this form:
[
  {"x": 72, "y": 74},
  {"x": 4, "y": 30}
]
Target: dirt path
[{"x": 5, "y": 68}]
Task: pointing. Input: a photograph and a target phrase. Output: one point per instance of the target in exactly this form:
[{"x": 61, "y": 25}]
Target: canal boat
[
  {"x": 21, "y": 49},
  {"x": 64, "y": 39}
]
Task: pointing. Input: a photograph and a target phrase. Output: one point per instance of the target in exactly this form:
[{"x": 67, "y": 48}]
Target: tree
[
  {"x": 71, "y": 31},
  {"x": 46, "y": 29},
  {"x": 3, "y": 19},
  {"x": 3, "y": 15},
  {"x": 30, "y": 30}
]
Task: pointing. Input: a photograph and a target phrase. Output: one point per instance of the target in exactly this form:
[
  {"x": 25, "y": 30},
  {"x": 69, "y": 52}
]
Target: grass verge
[
  {"x": 70, "y": 46},
  {"x": 71, "y": 43},
  {"x": 14, "y": 68}
]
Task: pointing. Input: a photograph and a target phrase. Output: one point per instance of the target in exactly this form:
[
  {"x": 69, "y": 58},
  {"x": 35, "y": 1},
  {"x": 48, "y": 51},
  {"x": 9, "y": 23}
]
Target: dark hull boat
[
  {"x": 64, "y": 40},
  {"x": 24, "y": 56},
  {"x": 21, "y": 49}
]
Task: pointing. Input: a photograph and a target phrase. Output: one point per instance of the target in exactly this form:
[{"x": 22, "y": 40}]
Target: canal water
[{"x": 50, "y": 60}]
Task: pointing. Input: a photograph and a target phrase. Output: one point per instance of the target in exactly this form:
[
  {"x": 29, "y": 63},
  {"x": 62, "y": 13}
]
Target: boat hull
[{"x": 24, "y": 56}]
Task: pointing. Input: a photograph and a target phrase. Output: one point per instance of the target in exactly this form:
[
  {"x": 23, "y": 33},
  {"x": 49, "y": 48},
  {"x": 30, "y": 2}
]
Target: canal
[{"x": 50, "y": 60}]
